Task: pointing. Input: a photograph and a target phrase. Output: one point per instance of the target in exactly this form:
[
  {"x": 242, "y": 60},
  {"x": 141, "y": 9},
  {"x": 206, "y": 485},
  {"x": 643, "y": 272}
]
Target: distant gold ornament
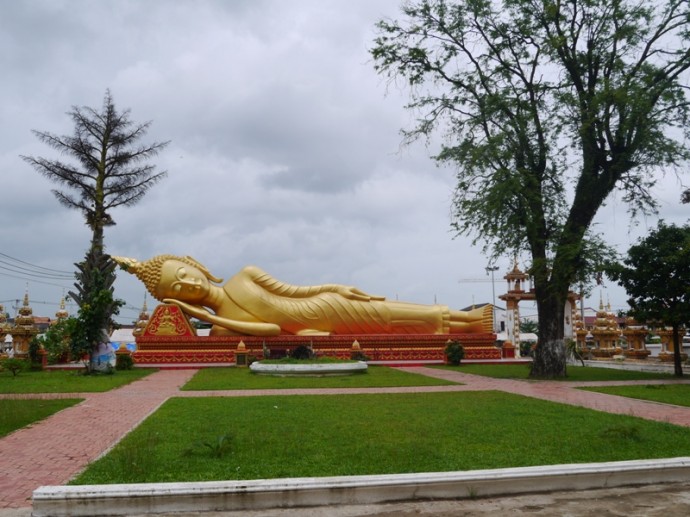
[{"x": 254, "y": 303}]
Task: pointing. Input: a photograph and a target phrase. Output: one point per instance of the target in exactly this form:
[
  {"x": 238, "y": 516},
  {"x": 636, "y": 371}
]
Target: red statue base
[{"x": 170, "y": 338}]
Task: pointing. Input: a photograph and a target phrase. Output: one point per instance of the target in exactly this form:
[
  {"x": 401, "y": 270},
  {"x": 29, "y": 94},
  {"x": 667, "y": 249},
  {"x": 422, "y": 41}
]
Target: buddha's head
[{"x": 170, "y": 276}]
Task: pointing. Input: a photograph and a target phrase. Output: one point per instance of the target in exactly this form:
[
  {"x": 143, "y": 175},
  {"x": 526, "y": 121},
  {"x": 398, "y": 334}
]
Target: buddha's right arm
[
  {"x": 251, "y": 328},
  {"x": 272, "y": 285}
]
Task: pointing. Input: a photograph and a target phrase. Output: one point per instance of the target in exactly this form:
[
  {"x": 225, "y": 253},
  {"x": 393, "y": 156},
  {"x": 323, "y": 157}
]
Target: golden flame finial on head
[
  {"x": 125, "y": 262},
  {"x": 149, "y": 271}
]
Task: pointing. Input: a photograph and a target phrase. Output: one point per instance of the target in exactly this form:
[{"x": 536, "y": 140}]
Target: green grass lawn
[
  {"x": 67, "y": 381},
  {"x": 575, "y": 373},
  {"x": 15, "y": 414},
  {"x": 678, "y": 394},
  {"x": 242, "y": 379},
  {"x": 272, "y": 436}
]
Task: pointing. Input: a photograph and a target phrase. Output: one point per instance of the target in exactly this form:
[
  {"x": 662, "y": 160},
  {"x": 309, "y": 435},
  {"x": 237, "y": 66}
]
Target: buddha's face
[{"x": 182, "y": 282}]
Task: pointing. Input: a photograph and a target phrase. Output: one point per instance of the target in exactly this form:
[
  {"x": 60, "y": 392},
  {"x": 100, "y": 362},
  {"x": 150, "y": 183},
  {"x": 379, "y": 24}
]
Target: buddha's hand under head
[
  {"x": 193, "y": 310},
  {"x": 352, "y": 293}
]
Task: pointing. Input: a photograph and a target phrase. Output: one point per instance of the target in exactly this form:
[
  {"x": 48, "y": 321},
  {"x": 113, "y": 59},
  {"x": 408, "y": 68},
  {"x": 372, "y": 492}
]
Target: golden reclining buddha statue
[{"x": 256, "y": 304}]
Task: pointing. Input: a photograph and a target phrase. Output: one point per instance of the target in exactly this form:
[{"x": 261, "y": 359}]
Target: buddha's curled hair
[{"x": 149, "y": 271}]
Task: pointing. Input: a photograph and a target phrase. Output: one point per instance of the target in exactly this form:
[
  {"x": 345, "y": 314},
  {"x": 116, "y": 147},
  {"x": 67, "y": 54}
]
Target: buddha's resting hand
[
  {"x": 352, "y": 293},
  {"x": 245, "y": 327},
  {"x": 192, "y": 310}
]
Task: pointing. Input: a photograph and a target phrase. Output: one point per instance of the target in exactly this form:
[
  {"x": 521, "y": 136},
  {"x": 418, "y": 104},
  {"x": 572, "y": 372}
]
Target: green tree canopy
[
  {"x": 656, "y": 276},
  {"x": 547, "y": 108}
]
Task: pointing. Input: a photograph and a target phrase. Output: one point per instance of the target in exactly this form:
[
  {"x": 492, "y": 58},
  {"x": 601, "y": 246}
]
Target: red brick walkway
[
  {"x": 564, "y": 392},
  {"x": 54, "y": 450}
]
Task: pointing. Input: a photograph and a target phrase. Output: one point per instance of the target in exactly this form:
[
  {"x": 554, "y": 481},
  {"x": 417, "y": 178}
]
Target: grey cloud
[{"x": 284, "y": 145}]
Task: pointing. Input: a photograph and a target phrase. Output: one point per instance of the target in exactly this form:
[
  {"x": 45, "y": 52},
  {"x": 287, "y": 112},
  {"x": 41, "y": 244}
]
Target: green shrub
[
  {"x": 220, "y": 446},
  {"x": 454, "y": 352},
  {"x": 302, "y": 352},
  {"x": 56, "y": 340},
  {"x": 35, "y": 353},
  {"x": 14, "y": 365},
  {"x": 124, "y": 362},
  {"x": 572, "y": 352},
  {"x": 526, "y": 349}
]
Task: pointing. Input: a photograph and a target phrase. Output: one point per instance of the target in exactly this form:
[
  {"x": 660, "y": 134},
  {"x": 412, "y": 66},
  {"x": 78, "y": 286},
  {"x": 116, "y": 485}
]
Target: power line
[
  {"x": 34, "y": 266},
  {"x": 31, "y": 273},
  {"x": 34, "y": 281},
  {"x": 37, "y": 274}
]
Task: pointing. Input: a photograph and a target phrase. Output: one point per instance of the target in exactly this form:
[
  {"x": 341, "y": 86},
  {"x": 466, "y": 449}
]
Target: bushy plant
[
  {"x": 359, "y": 356},
  {"x": 220, "y": 446},
  {"x": 124, "y": 362},
  {"x": 14, "y": 365},
  {"x": 302, "y": 352},
  {"x": 454, "y": 352},
  {"x": 572, "y": 352},
  {"x": 56, "y": 340},
  {"x": 35, "y": 358},
  {"x": 526, "y": 349},
  {"x": 92, "y": 321}
]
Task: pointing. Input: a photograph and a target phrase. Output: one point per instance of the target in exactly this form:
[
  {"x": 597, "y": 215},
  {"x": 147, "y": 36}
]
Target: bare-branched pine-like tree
[{"x": 108, "y": 168}]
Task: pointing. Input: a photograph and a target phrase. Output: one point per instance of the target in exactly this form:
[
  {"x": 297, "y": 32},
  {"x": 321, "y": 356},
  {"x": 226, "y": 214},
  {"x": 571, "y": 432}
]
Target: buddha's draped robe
[{"x": 321, "y": 308}]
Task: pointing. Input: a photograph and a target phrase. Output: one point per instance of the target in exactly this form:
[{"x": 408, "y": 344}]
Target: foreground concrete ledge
[
  {"x": 308, "y": 369},
  {"x": 167, "y": 498}
]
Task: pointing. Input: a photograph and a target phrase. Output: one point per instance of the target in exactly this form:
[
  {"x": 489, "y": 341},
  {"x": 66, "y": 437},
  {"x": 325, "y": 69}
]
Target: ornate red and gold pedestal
[{"x": 170, "y": 338}]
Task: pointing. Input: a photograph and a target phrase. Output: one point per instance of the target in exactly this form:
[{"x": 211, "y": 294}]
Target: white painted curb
[
  {"x": 305, "y": 369},
  {"x": 153, "y": 498}
]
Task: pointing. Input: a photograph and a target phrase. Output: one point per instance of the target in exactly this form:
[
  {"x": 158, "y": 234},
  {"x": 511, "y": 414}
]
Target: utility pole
[{"x": 492, "y": 270}]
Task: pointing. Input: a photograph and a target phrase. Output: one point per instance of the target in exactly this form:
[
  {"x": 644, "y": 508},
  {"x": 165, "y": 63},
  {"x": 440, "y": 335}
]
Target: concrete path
[{"x": 56, "y": 449}]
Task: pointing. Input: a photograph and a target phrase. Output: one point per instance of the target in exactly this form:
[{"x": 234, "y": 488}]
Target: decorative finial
[{"x": 62, "y": 312}]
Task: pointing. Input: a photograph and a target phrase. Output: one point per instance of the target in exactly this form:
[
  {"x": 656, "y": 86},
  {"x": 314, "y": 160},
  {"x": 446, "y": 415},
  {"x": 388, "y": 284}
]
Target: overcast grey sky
[{"x": 285, "y": 149}]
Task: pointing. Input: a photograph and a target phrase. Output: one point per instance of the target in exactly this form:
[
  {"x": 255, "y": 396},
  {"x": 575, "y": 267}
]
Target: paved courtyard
[{"x": 54, "y": 450}]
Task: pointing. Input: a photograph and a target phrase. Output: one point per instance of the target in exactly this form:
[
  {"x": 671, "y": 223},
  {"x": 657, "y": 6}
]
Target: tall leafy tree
[
  {"x": 108, "y": 168},
  {"x": 547, "y": 107},
  {"x": 656, "y": 276}
]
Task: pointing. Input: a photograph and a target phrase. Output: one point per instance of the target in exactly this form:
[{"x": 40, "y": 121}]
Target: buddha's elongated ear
[{"x": 194, "y": 262}]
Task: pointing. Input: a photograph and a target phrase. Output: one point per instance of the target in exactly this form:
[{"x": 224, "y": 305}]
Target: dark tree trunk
[
  {"x": 550, "y": 358},
  {"x": 97, "y": 238},
  {"x": 677, "y": 349}
]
